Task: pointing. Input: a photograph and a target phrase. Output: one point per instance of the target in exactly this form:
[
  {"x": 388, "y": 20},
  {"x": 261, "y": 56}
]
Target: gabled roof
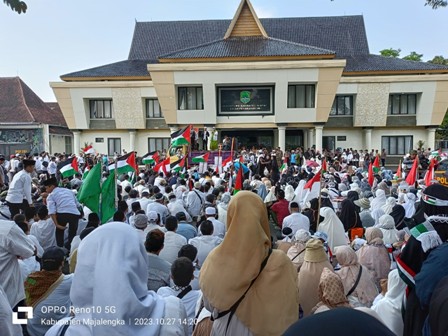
[
  {"x": 19, "y": 104},
  {"x": 245, "y": 22},
  {"x": 255, "y": 46},
  {"x": 128, "y": 68}
]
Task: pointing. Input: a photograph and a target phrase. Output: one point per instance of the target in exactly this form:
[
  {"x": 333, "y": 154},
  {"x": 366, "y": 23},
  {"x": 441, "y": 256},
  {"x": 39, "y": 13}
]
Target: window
[
  {"x": 190, "y": 98},
  {"x": 101, "y": 109},
  {"x": 158, "y": 144},
  {"x": 113, "y": 146},
  {"x": 68, "y": 144},
  {"x": 301, "y": 96},
  {"x": 402, "y": 104},
  {"x": 153, "y": 109},
  {"x": 99, "y": 139},
  {"x": 342, "y": 106},
  {"x": 397, "y": 145}
]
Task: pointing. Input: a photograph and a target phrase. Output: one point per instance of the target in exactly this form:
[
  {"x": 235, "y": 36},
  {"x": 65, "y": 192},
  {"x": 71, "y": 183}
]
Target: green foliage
[
  {"x": 16, "y": 5},
  {"x": 436, "y": 3},
  {"x": 413, "y": 56},
  {"x": 394, "y": 53},
  {"x": 442, "y": 132},
  {"x": 439, "y": 60}
]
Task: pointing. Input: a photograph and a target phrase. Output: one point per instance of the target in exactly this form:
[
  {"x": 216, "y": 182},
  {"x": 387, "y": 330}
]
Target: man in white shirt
[
  {"x": 205, "y": 243},
  {"x": 63, "y": 210},
  {"x": 195, "y": 199},
  {"x": 296, "y": 220},
  {"x": 154, "y": 222},
  {"x": 140, "y": 224},
  {"x": 159, "y": 207},
  {"x": 52, "y": 167},
  {"x": 13, "y": 244},
  {"x": 19, "y": 192},
  {"x": 219, "y": 229},
  {"x": 175, "y": 206},
  {"x": 43, "y": 230},
  {"x": 173, "y": 241}
]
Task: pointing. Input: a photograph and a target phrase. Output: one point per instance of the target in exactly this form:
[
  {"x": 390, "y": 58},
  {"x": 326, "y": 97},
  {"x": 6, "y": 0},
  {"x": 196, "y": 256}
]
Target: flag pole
[
  {"x": 319, "y": 200},
  {"x": 115, "y": 182},
  {"x": 231, "y": 167}
]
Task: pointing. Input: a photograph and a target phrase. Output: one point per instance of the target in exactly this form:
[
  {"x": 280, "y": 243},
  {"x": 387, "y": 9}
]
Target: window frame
[
  {"x": 110, "y": 151},
  {"x": 68, "y": 144},
  {"x": 159, "y": 146},
  {"x": 148, "y": 102},
  {"x": 396, "y": 104},
  {"x": 335, "y": 106},
  {"x": 102, "y": 100},
  {"x": 198, "y": 103},
  {"x": 308, "y": 102},
  {"x": 407, "y": 141}
]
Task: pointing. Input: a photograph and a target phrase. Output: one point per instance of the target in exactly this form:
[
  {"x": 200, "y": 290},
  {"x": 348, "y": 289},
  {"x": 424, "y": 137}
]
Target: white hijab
[
  {"x": 389, "y": 307},
  {"x": 379, "y": 200},
  {"x": 409, "y": 205},
  {"x": 376, "y": 214},
  {"x": 390, "y": 203},
  {"x": 299, "y": 192},
  {"x": 387, "y": 227},
  {"x": 112, "y": 271},
  {"x": 333, "y": 227}
]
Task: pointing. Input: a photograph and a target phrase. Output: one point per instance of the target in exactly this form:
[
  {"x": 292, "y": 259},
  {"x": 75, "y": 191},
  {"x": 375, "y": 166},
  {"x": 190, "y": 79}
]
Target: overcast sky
[{"x": 56, "y": 37}]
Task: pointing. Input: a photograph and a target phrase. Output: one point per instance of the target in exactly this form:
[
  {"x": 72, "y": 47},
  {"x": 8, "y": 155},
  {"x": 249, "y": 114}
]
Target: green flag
[
  {"x": 107, "y": 198},
  {"x": 89, "y": 195}
]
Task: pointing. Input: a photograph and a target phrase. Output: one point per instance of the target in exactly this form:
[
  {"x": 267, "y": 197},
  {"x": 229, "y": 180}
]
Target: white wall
[
  {"x": 354, "y": 137},
  {"x": 418, "y": 133},
  {"x": 57, "y": 144}
]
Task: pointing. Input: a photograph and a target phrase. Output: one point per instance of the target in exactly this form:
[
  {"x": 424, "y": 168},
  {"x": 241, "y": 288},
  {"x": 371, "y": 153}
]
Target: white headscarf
[
  {"x": 387, "y": 227},
  {"x": 289, "y": 194},
  {"x": 376, "y": 214},
  {"x": 333, "y": 227},
  {"x": 409, "y": 205},
  {"x": 112, "y": 271},
  {"x": 299, "y": 193},
  {"x": 390, "y": 203},
  {"x": 379, "y": 200},
  {"x": 389, "y": 307}
]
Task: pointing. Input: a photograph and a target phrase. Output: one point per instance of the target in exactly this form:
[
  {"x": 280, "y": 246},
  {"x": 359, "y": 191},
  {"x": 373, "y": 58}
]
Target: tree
[
  {"x": 442, "y": 131},
  {"x": 16, "y": 5},
  {"x": 394, "y": 53},
  {"x": 436, "y": 3},
  {"x": 439, "y": 60},
  {"x": 413, "y": 56}
]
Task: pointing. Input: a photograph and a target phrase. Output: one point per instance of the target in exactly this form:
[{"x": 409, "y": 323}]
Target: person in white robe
[
  {"x": 127, "y": 293},
  {"x": 6, "y": 326},
  {"x": 409, "y": 205},
  {"x": 387, "y": 227},
  {"x": 333, "y": 227},
  {"x": 379, "y": 200},
  {"x": 389, "y": 205},
  {"x": 44, "y": 230},
  {"x": 175, "y": 206}
]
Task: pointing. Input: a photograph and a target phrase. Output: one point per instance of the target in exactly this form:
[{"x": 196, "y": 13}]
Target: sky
[{"x": 56, "y": 37}]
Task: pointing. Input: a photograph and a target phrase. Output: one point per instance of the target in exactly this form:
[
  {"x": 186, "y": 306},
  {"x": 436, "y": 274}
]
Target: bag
[
  {"x": 356, "y": 282},
  {"x": 356, "y": 233},
  {"x": 184, "y": 292}
]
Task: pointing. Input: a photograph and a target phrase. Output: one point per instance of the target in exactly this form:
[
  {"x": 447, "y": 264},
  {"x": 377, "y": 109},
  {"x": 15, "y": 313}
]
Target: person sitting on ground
[
  {"x": 219, "y": 229},
  {"x": 158, "y": 269},
  {"x": 286, "y": 243},
  {"x": 191, "y": 252},
  {"x": 173, "y": 241},
  {"x": 141, "y": 224},
  {"x": 175, "y": 206},
  {"x": 185, "y": 229},
  {"x": 43, "y": 230},
  {"x": 331, "y": 293},
  {"x": 135, "y": 206},
  {"x": 154, "y": 222},
  {"x": 206, "y": 242},
  {"x": 159, "y": 207},
  {"x": 48, "y": 288},
  {"x": 74, "y": 256},
  {"x": 297, "y": 251},
  {"x": 280, "y": 208},
  {"x": 296, "y": 220}
]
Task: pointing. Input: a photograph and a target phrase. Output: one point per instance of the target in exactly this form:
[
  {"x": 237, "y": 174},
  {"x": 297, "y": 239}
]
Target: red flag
[
  {"x": 227, "y": 163},
  {"x": 242, "y": 159},
  {"x": 399, "y": 173},
  {"x": 324, "y": 166},
  {"x": 376, "y": 164},
  {"x": 412, "y": 176},
  {"x": 239, "y": 181},
  {"x": 315, "y": 179},
  {"x": 75, "y": 164},
  {"x": 371, "y": 178},
  {"x": 162, "y": 165},
  {"x": 429, "y": 176},
  {"x": 132, "y": 162}
]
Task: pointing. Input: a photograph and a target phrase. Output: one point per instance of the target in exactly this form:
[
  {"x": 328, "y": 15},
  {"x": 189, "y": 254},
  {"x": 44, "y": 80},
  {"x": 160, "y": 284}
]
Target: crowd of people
[{"x": 192, "y": 253}]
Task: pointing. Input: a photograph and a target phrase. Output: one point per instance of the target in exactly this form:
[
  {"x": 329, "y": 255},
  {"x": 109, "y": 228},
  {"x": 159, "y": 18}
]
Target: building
[
  {"x": 27, "y": 124},
  {"x": 277, "y": 82}
]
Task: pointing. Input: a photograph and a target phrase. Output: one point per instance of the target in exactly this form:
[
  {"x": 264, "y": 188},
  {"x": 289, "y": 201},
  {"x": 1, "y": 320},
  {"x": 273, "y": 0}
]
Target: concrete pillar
[
  {"x": 282, "y": 137},
  {"x": 318, "y": 130},
  {"x": 76, "y": 142},
  {"x": 305, "y": 139},
  {"x": 132, "y": 140},
  {"x": 368, "y": 139},
  {"x": 46, "y": 138},
  {"x": 430, "y": 142},
  {"x": 311, "y": 140}
]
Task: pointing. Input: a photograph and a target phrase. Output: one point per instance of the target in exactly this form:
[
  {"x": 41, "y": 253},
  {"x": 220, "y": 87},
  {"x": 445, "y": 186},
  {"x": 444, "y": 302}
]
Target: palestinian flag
[
  {"x": 399, "y": 173},
  {"x": 201, "y": 158},
  {"x": 239, "y": 181},
  {"x": 324, "y": 168},
  {"x": 376, "y": 165},
  {"x": 125, "y": 164},
  {"x": 89, "y": 150},
  {"x": 429, "y": 176},
  {"x": 316, "y": 179},
  {"x": 284, "y": 166},
  {"x": 181, "y": 137},
  {"x": 227, "y": 163},
  {"x": 371, "y": 178},
  {"x": 69, "y": 167},
  {"x": 151, "y": 158},
  {"x": 163, "y": 166},
  {"x": 178, "y": 165},
  {"x": 413, "y": 173},
  {"x": 90, "y": 192}
]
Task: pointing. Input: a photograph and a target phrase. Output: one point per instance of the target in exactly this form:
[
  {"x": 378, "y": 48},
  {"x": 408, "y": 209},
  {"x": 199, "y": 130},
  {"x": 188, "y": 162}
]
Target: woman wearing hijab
[
  {"x": 374, "y": 255},
  {"x": 389, "y": 307},
  {"x": 297, "y": 252},
  {"x": 325, "y": 201},
  {"x": 376, "y": 214},
  {"x": 349, "y": 217},
  {"x": 331, "y": 293},
  {"x": 390, "y": 203},
  {"x": 333, "y": 227},
  {"x": 352, "y": 195},
  {"x": 351, "y": 322},
  {"x": 244, "y": 266},
  {"x": 387, "y": 227},
  {"x": 112, "y": 271},
  {"x": 312, "y": 213},
  {"x": 222, "y": 207},
  {"x": 315, "y": 261},
  {"x": 409, "y": 205},
  {"x": 362, "y": 292},
  {"x": 379, "y": 200},
  {"x": 398, "y": 214}
]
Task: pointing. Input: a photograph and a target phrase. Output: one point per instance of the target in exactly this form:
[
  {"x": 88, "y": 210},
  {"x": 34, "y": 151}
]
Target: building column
[
  {"x": 282, "y": 137},
  {"x": 132, "y": 140},
  {"x": 76, "y": 142},
  {"x": 318, "y": 130},
  {"x": 431, "y": 141},
  {"x": 46, "y": 138},
  {"x": 368, "y": 138},
  {"x": 311, "y": 141},
  {"x": 305, "y": 139}
]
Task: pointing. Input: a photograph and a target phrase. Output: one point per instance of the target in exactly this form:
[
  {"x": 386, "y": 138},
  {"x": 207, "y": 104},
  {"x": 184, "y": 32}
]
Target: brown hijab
[
  {"x": 331, "y": 291},
  {"x": 271, "y": 305}
]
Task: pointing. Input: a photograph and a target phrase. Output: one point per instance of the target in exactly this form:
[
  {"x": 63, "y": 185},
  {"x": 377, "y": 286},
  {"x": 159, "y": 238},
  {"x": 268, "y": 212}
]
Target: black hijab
[
  {"x": 353, "y": 323},
  {"x": 325, "y": 201},
  {"x": 352, "y": 195},
  {"x": 349, "y": 215},
  {"x": 398, "y": 213}
]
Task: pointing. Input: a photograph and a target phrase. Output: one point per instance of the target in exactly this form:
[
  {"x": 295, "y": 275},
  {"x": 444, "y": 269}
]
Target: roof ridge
[
  {"x": 302, "y": 45},
  {"x": 23, "y": 98},
  {"x": 197, "y": 46}
]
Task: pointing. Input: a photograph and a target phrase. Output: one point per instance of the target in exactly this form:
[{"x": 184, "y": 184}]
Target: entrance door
[
  {"x": 250, "y": 138},
  {"x": 329, "y": 143}
]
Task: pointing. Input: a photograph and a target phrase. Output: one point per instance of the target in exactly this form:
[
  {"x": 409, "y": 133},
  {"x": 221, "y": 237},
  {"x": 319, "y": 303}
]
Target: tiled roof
[
  {"x": 362, "y": 63},
  {"x": 128, "y": 68},
  {"x": 59, "y": 130},
  {"x": 57, "y": 114},
  {"x": 19, "y": 104},
  {"x": 247, "y": 47}
]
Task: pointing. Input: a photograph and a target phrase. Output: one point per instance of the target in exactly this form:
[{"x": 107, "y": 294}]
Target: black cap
[
  {"x": 158, "y": 196},
  {"x": 52, "y": 258},
  {"x": 27, "y": 163},
  {"x": 287, "y": 231},
  {"x": 50, "y": 181},
  {"x": 2, "y": 157}
]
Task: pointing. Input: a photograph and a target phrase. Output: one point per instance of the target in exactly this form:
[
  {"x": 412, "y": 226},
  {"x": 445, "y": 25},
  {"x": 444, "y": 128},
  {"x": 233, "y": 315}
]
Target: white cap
[
  {"x": 152, "y": 216},
  {"x": 210, "y": 211}
]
